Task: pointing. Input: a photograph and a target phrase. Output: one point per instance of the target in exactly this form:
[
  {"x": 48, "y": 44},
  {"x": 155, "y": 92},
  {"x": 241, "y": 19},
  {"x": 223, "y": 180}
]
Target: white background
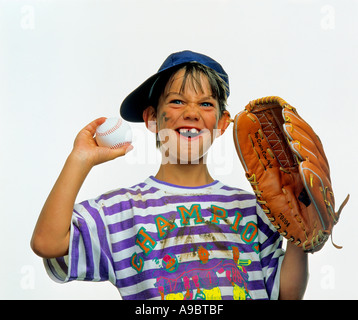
[{"x": 65, "y": 63}]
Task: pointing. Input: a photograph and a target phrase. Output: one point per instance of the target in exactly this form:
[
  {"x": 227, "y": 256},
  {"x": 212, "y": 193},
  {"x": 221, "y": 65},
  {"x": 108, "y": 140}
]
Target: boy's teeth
[{"x": 185, "y": 130}]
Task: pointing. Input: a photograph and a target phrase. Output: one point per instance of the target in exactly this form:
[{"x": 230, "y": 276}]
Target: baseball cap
[{"x": 134, "y": 104}]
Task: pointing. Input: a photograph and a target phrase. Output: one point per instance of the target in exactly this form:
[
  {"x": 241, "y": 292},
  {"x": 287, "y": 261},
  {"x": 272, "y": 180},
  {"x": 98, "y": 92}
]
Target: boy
[{"x": 180, "y": 234}]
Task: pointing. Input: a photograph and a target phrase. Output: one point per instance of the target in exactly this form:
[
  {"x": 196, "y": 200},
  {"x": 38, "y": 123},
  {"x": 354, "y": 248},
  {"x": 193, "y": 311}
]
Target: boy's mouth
[{"x": 189, "y": 133}]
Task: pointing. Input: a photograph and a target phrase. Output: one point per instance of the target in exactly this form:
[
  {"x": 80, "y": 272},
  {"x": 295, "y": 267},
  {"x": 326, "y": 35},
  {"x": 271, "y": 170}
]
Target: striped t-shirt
[{"x": 161, "y": 241}]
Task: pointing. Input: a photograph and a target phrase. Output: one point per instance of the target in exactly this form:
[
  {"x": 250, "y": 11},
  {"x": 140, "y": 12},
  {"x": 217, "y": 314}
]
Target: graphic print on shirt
[
  {"x": 203, "y": 274},
  {"x": 181, "y": 280}
]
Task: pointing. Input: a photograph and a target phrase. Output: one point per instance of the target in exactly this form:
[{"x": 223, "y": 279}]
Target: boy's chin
[{"x": 184, "y": 158}]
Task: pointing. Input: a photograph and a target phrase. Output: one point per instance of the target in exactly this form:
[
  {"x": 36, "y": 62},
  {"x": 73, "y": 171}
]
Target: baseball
[{"x": 113, "y": 133}]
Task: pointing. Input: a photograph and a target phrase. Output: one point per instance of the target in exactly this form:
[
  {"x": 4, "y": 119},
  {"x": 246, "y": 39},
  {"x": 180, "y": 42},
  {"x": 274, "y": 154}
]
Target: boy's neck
[{"x": 186, "y": 175}]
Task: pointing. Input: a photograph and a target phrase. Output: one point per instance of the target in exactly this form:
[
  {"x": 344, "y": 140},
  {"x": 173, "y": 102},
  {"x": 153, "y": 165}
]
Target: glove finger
[
  {"x": 305, "y": 154},
  {"x": 304, "y": 142},
  {"x": 300, "y": 130},
  {"x": 319, "y": 190}
]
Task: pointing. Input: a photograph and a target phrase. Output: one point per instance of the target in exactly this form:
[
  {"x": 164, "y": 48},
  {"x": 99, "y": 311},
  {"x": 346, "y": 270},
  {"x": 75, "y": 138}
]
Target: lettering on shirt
[{"x": 219, "y": 215}]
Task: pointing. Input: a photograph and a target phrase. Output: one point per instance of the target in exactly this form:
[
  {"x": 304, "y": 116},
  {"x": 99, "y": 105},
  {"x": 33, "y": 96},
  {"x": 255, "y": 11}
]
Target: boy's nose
[{"x": 191, "y": 113}]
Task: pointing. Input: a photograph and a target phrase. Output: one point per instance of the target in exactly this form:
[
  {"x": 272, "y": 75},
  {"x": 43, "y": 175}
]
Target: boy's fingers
[
  {"x": 123, "y": 150},
  {"x": 128, "y": 148},
  {"x": 91, "y": 127}
]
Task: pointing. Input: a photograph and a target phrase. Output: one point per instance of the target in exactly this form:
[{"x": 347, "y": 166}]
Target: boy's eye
[
  {"x": 176, "y": 101},
  {"x": 207, "y": 104}
]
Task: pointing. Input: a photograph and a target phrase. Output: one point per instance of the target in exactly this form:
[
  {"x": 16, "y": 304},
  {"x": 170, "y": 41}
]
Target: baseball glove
[{"x": 288, "y": 170}]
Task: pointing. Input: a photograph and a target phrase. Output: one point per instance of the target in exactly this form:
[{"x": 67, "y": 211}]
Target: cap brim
[{"x": 134, "y": 104}]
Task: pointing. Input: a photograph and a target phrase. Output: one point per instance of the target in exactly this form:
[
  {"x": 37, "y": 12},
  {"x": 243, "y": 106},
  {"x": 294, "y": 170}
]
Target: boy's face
[{"x": 188, "y": 121}]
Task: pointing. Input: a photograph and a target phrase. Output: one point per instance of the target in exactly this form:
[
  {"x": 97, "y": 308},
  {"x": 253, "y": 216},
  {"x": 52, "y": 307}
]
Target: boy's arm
[
  {"x": 51, "y": 236},
  {"x": 294, "y": 273}
]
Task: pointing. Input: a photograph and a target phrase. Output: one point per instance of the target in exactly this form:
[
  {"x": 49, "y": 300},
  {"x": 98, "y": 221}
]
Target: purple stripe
[
  {"x": 124, "y": 225},
  {"x": 256, "y": 285},
  {"x": 124, "y": 244},
  {"x": 139, "y": 185},
  {"x": 81, "y": 229},
  {"x": 136, "y": 186},
  {"x": 177, "y": 199},
  {"x": 63, "y": 265},
  {"x": 264, "y": 227},
  {"x": 61, "y": 262},
  {"x": 105, "y": 252},
  {"x": 272, "y": 237},
  {"x": 75, "y": 253},
  {"x": 268, "y": 261},
  {"x": 239, "y": 192},
  {"x": 129, "y": 192},
  {"x": 271, "y": 280},
  {"x": 144, "y": 295}
]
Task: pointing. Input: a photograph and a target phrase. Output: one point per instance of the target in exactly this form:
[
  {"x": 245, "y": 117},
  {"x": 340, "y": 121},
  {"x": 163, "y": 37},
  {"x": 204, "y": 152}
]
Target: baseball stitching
[
  {"x": 120, "y": 144},
  {"x": 109, "y": 131}
]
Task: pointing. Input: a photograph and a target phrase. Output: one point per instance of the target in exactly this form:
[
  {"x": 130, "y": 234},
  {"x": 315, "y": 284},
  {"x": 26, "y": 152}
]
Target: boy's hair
[{"x": 193, "y": 70}]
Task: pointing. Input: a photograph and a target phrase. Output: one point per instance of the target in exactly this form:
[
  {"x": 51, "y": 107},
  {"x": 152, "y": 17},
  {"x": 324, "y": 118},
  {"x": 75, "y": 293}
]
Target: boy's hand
[
  {"x": 52, "y": 232},
  {"x": 86, "y": 149}
]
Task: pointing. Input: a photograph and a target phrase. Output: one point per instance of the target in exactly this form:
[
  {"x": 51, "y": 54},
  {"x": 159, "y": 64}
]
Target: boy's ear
[
  {"x": 223, "y": 122},
  {"x": 150, "y": 119}
]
